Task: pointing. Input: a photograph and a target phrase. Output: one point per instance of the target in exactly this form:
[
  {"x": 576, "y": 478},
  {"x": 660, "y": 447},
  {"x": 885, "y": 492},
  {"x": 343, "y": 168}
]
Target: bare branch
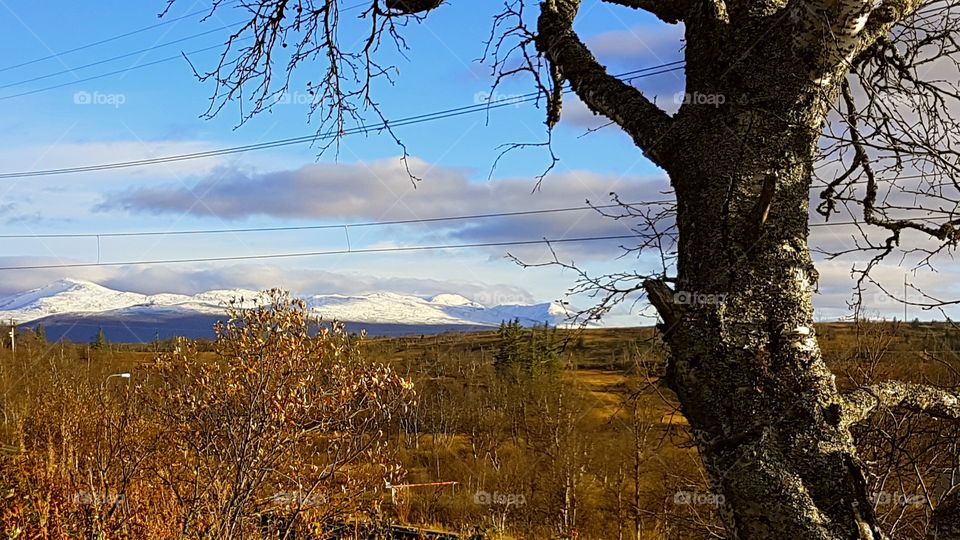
[
  {"x": 661, "y": 296},
  {"x": 891, "y": 149},
  {"x": 256, "y": 66},
  {"x": 861, "y": 403},
  {"x": 410, "y": 7},
  {"x": 603, "y": 93}
]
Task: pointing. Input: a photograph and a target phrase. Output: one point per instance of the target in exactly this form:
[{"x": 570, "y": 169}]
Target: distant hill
[{"x": 76, "y": 309}]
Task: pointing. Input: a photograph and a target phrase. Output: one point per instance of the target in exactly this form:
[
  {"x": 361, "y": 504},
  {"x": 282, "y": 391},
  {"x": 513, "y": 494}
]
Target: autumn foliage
[{"x": 280, "y": 431}]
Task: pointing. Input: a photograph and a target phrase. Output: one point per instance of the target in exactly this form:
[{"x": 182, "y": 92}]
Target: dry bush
[
  {"x": 81, "y": 445},
  {"x": 279, "y": 432},
  {"x": 282, "y": 424}
]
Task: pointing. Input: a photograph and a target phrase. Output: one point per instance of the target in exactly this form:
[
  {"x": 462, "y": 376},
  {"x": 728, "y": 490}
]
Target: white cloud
[
  {"x": 382, "y": 191},
  {"x": 836, "y": 289}
]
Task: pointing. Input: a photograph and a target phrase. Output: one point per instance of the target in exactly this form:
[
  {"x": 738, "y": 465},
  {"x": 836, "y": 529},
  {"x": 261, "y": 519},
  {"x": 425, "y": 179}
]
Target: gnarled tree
[{"x": 807, "y": 85}]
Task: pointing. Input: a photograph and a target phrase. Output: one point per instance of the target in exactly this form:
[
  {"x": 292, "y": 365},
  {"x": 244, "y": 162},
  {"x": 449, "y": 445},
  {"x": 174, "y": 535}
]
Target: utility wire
[
  {"x": 335, "y": 226},
  {"x": 412, "y": 221},
  {"x": 320, "y": 253},
  {"x": 111, "y": 39},
  {"x": 115, "y": 72},
  {"x": 131, "y": 68},
  {"x": 348, "y": 251},
  {"x": 112, "y": 59},
  {"x": 362, "y": 129}
]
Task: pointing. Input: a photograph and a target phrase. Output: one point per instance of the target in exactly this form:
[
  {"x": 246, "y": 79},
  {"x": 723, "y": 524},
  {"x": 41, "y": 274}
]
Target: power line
[
  {"x": 348, "y": 251},
  {"x": 111, "y": 59},
  {"x": 102, "y": 75},
  {"x": 131, "y": 68},
  {"x": 362, "y": 129},
  {"x": 284, "y": 142},
  {"x": 412, "y": 221},
  {"x": 331, "y": 226},
  {"x": 320, "y": 253},
  {"x": 111, "y": 39}
]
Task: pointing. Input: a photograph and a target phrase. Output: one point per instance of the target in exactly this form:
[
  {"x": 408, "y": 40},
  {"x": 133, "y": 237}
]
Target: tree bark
[{"x": 763, "y": 406}]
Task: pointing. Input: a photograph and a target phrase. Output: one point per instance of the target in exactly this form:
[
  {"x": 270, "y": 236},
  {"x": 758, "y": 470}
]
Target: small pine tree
[
  {"x": 509, "y": 351},
  {"x": 527, "y": 352},
  {"x": 41, "y": 333},
  {"x": 544, "y": 351},
  {"x": 100, "y": 340}
]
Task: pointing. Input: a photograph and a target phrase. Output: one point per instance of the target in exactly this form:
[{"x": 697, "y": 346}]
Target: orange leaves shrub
[
  {"x": 281, "y": 431},
  {"x": 287, "y": 421}
]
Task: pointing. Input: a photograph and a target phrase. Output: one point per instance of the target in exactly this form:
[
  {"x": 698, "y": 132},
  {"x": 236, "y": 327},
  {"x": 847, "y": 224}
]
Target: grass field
[{"x": 593, "y": 447}]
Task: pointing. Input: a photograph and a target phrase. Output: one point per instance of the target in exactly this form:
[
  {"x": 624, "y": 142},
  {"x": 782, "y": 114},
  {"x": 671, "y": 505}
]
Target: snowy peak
[
  {"x": 453, "y": 300},
  {"x": 65, "y": 296},
  {"x": 442, "y": 309},
  {"x": 84, "y": 298}
]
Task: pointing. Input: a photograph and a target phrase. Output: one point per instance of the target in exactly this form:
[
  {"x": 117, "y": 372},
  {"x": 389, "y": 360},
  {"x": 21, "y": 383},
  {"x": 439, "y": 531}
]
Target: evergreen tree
[
  {"x": 100, "y": 340},
  {"x": 528, "y": 352},
  {"x": 509, "y": 346}
]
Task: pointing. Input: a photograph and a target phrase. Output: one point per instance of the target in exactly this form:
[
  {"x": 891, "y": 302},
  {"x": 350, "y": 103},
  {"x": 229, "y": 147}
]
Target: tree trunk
[{"x": 745, "y": 364}]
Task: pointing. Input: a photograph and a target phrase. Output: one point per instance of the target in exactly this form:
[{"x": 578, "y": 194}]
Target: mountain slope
[{"x": 82, "y": 306}]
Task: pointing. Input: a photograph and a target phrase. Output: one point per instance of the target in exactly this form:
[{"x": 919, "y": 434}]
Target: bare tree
[{"x": 853, "y": 96}]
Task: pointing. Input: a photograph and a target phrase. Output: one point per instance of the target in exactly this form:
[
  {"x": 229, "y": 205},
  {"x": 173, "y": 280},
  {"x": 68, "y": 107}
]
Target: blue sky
[{"x": 154, "y": 109}]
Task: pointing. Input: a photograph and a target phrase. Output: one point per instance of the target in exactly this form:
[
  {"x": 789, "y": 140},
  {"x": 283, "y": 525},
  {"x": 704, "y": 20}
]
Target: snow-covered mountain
[
  {"x": 84, "y": 304},
  {"x": 75, "y": 297}
]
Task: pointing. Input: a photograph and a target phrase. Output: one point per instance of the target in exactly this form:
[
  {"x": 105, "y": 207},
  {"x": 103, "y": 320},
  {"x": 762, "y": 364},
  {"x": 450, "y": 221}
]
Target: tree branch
[
  {"x": 883, "y": 17},
  {"x": 603, "y": 93},
  {"x": 668, "y": 11},
  {"x": 412, "y": 7},
  {"x": 861, "y": 403},
  {"x": 661, "y": 296}
]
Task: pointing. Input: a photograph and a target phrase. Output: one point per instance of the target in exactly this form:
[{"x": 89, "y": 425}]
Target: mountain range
[{"x": 77, "y": 310}]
